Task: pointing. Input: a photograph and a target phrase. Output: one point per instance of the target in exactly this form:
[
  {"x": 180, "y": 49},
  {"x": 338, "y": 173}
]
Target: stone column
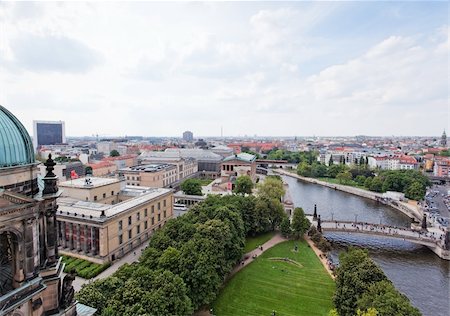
[
  {"x": 30, "y": 253},
  {"x": 85, "y": 241},
  {"x": 93, "y": 240},
  {"x": 50, "y": 223},
  {"x": 71, "y": 233},
  {"x": 78, "y": 232}
]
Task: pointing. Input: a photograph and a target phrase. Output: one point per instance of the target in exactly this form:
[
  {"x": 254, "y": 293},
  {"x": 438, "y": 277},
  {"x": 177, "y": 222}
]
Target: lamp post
[
  {"x": 356, "y": 218},
  {"x": 332, "y": 216}
]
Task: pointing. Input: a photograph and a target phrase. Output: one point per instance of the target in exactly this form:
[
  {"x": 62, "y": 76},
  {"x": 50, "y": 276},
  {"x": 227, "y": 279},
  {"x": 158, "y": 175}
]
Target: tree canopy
[
  {"x": 272, "y": 187},
  {"x": 192, "y": 187},
  {"x": 362, "y": 285},
  {"x": 114, "y": 153},
  {"x": 300, "y": 224},
  {"x": 244, "y": 185}
]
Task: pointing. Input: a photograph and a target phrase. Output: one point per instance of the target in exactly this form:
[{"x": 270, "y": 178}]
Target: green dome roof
[{"x": 16, "y": 147}]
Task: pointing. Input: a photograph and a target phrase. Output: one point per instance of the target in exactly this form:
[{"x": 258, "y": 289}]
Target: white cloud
[{"x": 160, "y": 68}]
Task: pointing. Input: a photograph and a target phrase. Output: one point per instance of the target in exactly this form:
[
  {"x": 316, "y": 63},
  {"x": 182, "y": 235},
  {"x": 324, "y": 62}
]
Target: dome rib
[{"x": 16, "y": 147}]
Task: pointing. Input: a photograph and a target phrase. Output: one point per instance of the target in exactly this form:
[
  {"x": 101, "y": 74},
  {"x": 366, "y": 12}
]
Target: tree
[
  {"x": 330, "y": 162},
  {"x": 191, "y": 187},
  {"x": 376, "y": 184},
  {"x": 271, "y": 188},
  {"x": 355, "y": 274},
  {"x": 114, "y": 153},
  {"x": 344, "y": 177},
  {"x": 269, "y": 213},
  {"x": 362, "y": 161},
  {"x": 368, "y": 182},
  {"x": 304, "y": 169},
  {"x": 244, "y": 185},
  {"x": 318, "y": 170},
  {"x": 386, "y": 300},
  {"x": 415, "y": 191},
  {"x": 360, "y": 180},
  {"x": 300, "y": 224},
  {"x": 285, "y": 227}
]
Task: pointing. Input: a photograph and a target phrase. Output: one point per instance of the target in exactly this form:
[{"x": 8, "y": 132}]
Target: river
[{"x": 415, "y": 270}]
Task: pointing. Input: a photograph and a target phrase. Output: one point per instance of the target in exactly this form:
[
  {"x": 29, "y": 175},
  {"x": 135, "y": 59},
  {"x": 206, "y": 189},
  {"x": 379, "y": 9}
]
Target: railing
[{"x": 380, "y": 230}]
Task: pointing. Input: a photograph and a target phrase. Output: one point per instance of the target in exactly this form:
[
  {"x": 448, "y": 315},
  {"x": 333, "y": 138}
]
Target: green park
[{"x": 283, "y": 280}]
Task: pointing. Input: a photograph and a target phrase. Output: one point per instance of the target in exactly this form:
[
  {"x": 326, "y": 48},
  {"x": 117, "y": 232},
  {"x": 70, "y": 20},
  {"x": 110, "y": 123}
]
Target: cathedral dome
[{"x": 16, "y": 147}]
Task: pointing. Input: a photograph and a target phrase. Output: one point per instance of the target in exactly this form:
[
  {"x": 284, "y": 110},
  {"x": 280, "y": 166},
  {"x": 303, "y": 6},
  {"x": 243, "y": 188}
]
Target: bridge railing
[{"x": 381, "y": 230}]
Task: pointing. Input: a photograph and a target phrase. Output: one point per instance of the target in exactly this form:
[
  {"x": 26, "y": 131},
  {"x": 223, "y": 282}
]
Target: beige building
[
  {"x": 153, "y": 175},
  {"x": 237, "y": 165},
  {"x": 102, "y": 190},
  {"x": 112, "y": 226},
  {"x": 185, "y": 166},
  {"x": 103, "y": 168}
]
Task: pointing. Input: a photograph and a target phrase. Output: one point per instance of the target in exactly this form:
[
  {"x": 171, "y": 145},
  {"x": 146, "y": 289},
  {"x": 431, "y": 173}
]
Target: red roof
[{"x": 408, "y": 160}]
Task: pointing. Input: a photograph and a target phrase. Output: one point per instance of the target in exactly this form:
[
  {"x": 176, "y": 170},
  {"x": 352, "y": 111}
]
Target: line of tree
[
  {"x": 411, "y": 182},
  {"x": 188, "y": 259},
  {"x": 292, "y": 156},
  {"x": 362, "y": 288}
]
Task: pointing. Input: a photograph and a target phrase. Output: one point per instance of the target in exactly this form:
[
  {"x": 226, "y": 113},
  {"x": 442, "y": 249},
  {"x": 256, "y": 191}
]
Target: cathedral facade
[{"x": 31, "y": 273}]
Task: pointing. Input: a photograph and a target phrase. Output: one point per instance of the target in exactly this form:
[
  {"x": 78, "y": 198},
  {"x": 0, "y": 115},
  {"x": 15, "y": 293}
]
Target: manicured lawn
[
  {"x": 83, "y": 268},
  {"x": 289, "y": 289},
  {"x": 253, "y": 242}
]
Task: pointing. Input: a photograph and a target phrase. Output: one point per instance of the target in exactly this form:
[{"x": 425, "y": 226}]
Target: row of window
[
  {"x": 104, "y": 196},
  {"x": 138, "y": 214},
  {"x": 132, "y": 178},
  {"x": 138, "y": 227}
]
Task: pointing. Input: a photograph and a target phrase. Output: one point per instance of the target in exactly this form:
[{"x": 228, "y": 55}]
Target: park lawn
[
  {"x": 290, "y": 290},
  {"x": 252, "y": 242}
]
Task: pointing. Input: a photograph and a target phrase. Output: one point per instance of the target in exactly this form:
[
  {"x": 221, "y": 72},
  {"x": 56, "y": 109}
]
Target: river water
[{"x": 415, "y": 270}]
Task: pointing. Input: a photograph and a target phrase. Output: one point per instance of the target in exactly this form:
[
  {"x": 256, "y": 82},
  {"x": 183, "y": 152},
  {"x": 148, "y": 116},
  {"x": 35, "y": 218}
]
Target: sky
[{"x": 251, "y": 68}]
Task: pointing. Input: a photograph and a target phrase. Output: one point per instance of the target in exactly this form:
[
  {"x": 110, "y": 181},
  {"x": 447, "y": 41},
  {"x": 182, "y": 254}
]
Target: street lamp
[
  {"x": 356, "y": 218},
  {"x": 332, "y": 216}
]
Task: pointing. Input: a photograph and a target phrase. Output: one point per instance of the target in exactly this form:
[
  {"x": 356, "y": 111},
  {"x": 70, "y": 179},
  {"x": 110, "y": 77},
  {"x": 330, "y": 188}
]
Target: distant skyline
[{"x": 264, "y": 68}]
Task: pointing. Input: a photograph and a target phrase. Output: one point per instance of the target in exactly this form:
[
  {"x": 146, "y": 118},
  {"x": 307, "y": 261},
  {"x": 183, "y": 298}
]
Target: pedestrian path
[{"x": 249, "y": 257}]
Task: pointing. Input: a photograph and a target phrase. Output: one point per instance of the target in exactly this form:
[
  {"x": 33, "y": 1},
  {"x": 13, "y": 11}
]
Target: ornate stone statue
[{"x": 68, "y": 292}]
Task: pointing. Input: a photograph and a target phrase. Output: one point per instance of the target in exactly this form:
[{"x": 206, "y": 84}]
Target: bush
[{"x": 324, "y": 245}]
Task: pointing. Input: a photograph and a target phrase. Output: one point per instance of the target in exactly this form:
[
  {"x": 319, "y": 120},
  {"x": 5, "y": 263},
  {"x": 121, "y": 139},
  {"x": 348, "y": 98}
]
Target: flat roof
[
  {"x": 83, "y": 184},
  {"x": 92, "y": 210},
  {"x": 149, "y": 167},
  {"x": 242, "y": 157}
]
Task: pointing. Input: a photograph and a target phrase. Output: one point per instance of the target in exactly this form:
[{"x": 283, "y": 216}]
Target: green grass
[
  {"x": 289, "y": 289},
  {"x": 351, "y": 183},
  {"x": 253, "y": 242},
  {"x": 83, "y": 268},
  {"x": 205, "y": 182}
]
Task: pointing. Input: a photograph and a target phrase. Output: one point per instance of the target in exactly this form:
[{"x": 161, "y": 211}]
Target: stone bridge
[{"x": 439, "y": 244}]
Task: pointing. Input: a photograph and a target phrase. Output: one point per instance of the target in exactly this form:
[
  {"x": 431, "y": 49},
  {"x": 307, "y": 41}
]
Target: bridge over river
[{"x": 438, "y": 243}]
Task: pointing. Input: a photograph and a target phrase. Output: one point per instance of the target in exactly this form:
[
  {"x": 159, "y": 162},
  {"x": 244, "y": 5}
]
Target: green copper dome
[{"x": 16, "y": 147}]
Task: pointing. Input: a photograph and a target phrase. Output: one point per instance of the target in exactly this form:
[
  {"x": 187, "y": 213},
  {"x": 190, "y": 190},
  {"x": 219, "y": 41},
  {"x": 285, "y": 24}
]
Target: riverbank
[{"x": 411, "y": 211}]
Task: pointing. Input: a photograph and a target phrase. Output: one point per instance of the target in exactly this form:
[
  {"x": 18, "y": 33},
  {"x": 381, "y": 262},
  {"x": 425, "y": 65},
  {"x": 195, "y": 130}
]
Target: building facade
[
  {"x": 151, "y": 175},
  {"x": 102, "y": 231},
  {"x": 242, "y": 164},
  {"x": 48, "y": 133},
  {"x": 31, "y": 280}
]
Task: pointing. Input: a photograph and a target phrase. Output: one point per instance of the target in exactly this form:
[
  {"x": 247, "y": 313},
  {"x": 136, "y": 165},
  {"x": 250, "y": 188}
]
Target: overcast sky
[{"x": 264, "y": 68}]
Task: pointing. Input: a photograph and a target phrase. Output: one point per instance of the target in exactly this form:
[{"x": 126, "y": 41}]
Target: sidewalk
[
  {"x": 320, "y": 255},
  {"x": 275, "y": 240},
  {"x": 131, "y": 257}
]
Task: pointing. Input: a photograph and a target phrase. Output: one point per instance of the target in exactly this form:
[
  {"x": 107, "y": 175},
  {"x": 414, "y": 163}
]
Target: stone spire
[
  {"x": 50, "y": 179},
  {"x": 315, "y": 211},
  {"x": 319, "y": 224},
  {"x": 444, "y": 139}
]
